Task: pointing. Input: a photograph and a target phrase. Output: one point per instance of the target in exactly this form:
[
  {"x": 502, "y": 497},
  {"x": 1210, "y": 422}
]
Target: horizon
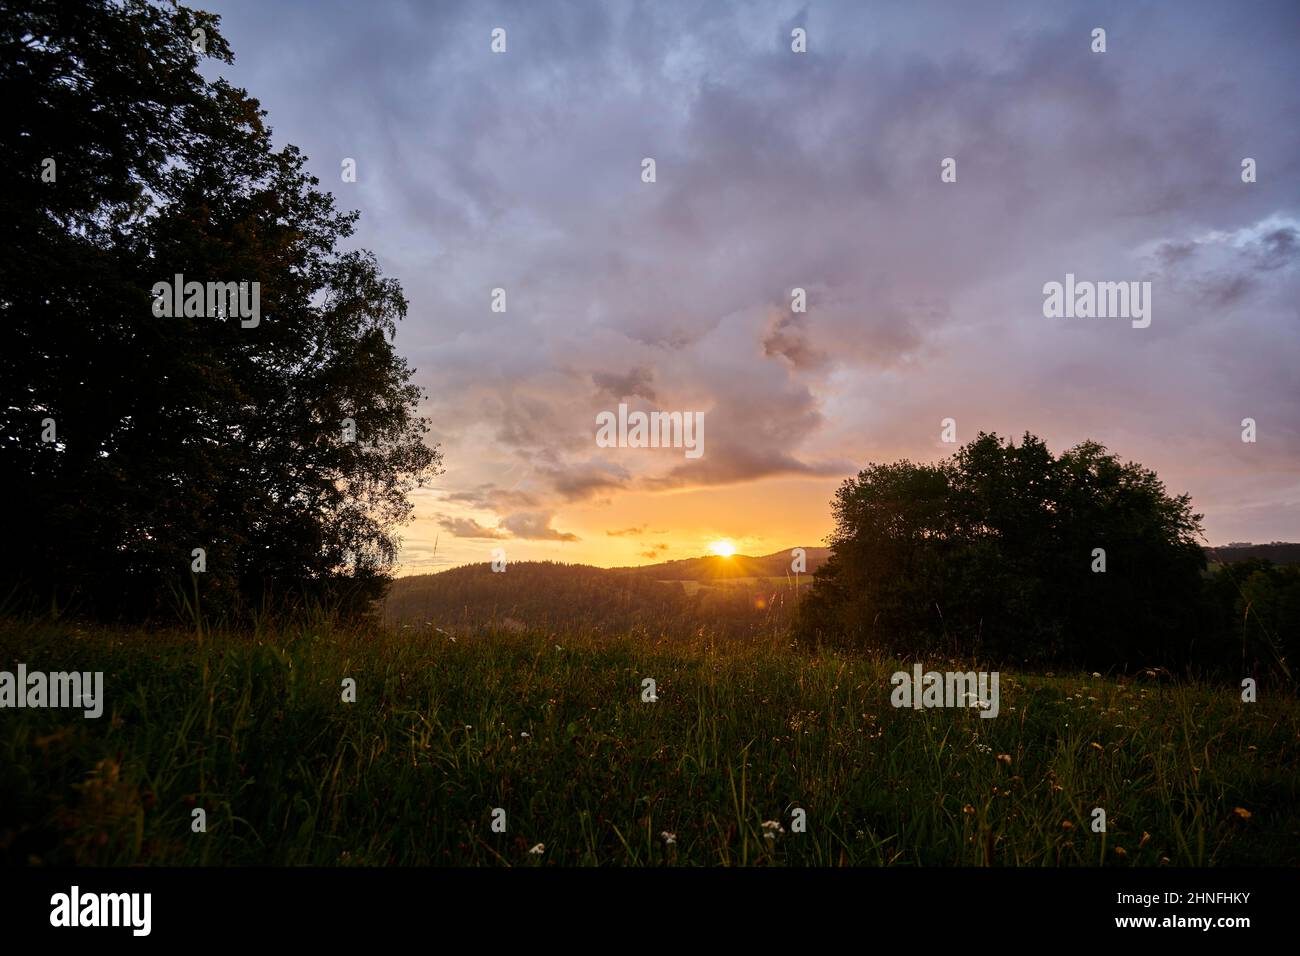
[{"x": 756, "y": 557}]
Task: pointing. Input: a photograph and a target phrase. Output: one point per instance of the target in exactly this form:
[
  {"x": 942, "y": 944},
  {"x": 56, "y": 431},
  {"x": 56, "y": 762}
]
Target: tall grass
[{"x": 251, "y": 728}]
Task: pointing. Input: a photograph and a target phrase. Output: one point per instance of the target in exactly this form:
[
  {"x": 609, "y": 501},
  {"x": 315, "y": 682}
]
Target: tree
[
  {"x": 124, "y": 167},
  {"x": 1251, "y": 620},
  {"x": 999, "y": 551}
]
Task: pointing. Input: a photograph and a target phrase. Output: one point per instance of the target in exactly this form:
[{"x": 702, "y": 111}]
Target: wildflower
[
  {"x": 771, "y": 828},
  {"x": 1120, "y": 851},
  {"x": 1095, "y": 674},
  {"x": 523, "y": 733},
  {"x": 1242, "y": 812},
  {"x": 1096, "y": 746},
  {"x": 668, "y": 838},
  {"x": 538, "y": 850},
  {"x": 1143, "y": 842},
  {"x": 1005, "y": 758},
  {"x": 968, "y": 810},
  {"x": 1067, "y": 825}
]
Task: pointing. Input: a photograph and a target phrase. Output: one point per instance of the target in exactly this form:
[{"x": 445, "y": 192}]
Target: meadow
[{"x": 251, "y": 727}]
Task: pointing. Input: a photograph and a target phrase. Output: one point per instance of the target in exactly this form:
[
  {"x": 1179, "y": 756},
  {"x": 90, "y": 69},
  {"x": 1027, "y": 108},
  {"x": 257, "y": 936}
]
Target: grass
[{"x": 252, "y": 729}]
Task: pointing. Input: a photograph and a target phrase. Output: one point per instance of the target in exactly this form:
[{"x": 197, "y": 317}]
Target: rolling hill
[
  {"x": 715, "y": 568},
  {"x": 732, "y": 596}
]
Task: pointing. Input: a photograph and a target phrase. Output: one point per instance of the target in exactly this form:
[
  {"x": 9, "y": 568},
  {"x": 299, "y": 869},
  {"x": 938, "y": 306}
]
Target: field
[{"x": 252, "y": 729}]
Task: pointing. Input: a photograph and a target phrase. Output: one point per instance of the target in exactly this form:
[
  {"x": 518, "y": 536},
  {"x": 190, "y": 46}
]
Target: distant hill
[
  {"x": 726, "y": 596},
  {"x": 714, "y": 567},
  {"x": 1279, "y": 552},
  {"x": 534, "y": 594}
]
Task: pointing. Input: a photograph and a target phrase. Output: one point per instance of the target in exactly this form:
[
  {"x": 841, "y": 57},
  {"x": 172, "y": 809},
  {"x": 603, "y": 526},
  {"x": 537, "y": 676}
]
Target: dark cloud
[
  {"x": 469, "y": 528},
  {"x": 490, "y": 497},
  {"x": 1225, "y": 290},
  {"x": 1278, "y": 248},
  {"x": 788, "y": 339},
  {"x": 1170, "y": 254},
  {"x": 535, "y": 526},
  {"x": 579, "y": 481},
  {"x": 1225, "y": 268},
  {"x": 638, "y": 382}
]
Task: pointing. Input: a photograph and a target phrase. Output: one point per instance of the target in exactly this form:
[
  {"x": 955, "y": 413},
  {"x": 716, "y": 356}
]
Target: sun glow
[{"x": 723, "y": 549}]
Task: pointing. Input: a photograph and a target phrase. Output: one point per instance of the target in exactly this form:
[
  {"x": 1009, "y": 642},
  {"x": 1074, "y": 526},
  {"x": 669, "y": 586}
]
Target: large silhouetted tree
[
  {"x": 129, "y": 439},
  {"x": 1010, "y": 552}
]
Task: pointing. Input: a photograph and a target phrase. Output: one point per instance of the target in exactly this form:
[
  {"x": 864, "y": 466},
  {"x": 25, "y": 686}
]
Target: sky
[{"x": 777, "y": 170}]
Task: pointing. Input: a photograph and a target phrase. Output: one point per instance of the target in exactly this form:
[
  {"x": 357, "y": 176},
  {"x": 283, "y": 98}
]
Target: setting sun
[{"x": 723, "y": 549}]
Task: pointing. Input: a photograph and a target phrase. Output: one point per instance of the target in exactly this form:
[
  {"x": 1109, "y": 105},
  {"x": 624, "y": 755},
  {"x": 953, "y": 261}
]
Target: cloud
[
  {"x": 469, "y": 528},
  {"x": 1226, "y": 267},
  {"x": 535, "y": 526},
  {"x": 579, "y": 481},
  {"x": 636, "y": 382},
  {"x": 490, "y": 497},
  {"x": 1277, "y": 248},
  {"x": 626, "y": 532},
  {"x": 788, "y": 339}
]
